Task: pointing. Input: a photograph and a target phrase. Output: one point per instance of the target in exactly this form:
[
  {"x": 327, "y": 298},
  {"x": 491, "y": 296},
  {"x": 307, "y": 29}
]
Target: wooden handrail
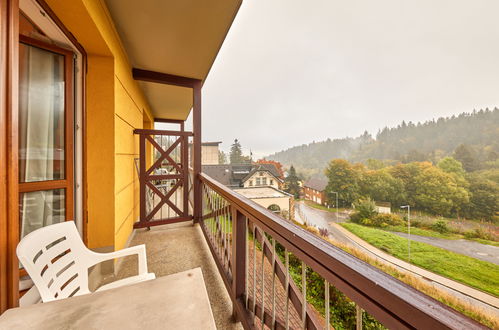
[
  {"x": 390, "y": 301},
  {"x": 161, "y": 132}
]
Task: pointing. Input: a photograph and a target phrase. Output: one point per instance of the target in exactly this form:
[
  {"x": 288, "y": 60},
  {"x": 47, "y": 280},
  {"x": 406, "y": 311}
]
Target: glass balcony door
[{"x": 45, "y": 134}]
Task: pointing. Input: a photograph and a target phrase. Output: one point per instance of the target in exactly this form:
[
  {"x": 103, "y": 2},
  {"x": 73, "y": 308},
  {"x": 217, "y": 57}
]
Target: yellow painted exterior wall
[{"x": 115, "y": 107}]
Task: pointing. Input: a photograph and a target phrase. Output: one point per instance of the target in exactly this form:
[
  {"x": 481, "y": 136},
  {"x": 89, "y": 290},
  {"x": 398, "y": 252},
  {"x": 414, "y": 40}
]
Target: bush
[
  {"x": 440, "y": 226},
  {"x": 364, "y": 209},
  {"x": 483, "y": 234},
  {"x": 469, "y": 234},
  {"x": 384, "y": 220}
]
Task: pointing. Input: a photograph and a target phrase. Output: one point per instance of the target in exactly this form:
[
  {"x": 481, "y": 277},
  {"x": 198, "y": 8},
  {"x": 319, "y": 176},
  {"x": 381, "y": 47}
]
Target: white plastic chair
[{"x": 57, "y": 261}]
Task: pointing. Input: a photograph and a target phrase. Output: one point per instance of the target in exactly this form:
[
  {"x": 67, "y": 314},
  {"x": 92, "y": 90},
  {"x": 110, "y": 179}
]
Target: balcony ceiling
[{"x": 178, "y": 37}]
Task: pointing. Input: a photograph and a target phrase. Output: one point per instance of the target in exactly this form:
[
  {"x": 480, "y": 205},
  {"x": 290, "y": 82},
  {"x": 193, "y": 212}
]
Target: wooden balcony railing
[{"x": 271, "y": 268}]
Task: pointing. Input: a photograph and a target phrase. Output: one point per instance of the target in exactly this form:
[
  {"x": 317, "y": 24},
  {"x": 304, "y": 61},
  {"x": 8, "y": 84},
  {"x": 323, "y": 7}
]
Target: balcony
[
  {"x": 260, "y": 270},
  {"x": 237, "y": 243}
]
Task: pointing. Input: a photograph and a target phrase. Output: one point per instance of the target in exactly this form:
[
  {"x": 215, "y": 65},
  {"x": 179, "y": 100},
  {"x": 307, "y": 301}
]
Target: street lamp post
[
  {"x": 408, "y": 207},
  {"x": 336, "y": 193}
]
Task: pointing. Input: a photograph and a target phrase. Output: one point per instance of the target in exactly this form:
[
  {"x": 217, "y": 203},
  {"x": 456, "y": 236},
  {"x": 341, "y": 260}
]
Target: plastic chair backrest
[{"x": 56, "y": 260}]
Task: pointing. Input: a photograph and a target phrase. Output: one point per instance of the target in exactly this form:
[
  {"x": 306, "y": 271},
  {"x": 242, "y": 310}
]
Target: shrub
[
  {"x": 356, "y": 217},
  {"x": 364, "y": 209},
  {"x": 366, "y": 222},
  {"x": 440, "y": 226},
  {"x": 483, "y": 234},
  {"x": 384, "y": 220},
  {"x": 469, "y": 234}
]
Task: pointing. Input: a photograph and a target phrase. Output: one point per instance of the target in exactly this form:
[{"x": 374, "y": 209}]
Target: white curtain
[{"x": 41, "y": 114}]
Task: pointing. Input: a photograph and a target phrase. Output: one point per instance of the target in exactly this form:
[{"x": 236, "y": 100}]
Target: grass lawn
[
  {"x": 423, "y": 232},
  {"x": 223, "y": 221},
  {"x": 470, "y": 271},
  {"x": 432, "y": 233}
]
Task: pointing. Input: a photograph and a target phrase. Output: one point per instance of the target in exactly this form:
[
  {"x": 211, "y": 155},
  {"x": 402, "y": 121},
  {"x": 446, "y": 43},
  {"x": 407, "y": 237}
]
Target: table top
[{"x": 178, "y": 301}]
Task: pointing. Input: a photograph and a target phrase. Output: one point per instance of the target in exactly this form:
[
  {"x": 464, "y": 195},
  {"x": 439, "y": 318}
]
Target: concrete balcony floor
[{"x": 179, "y": 247}]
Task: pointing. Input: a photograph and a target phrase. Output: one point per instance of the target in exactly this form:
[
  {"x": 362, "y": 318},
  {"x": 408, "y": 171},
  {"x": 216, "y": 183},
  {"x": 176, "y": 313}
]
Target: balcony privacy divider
[
  {"x": 270, "y": 267},
  {"x": 163, "y": 177}
]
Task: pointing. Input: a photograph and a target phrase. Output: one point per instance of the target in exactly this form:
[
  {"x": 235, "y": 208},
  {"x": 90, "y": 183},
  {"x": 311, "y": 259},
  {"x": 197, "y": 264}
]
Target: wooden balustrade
[{"x": 253, "y": 249}]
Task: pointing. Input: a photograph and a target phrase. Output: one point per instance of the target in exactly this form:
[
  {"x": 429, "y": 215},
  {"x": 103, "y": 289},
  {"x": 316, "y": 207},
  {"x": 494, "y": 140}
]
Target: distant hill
[{"x": 431, "y": 140}]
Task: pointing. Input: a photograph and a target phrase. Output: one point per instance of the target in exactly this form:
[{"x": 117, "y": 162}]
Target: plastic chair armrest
[{"x": 139, "y": 250}]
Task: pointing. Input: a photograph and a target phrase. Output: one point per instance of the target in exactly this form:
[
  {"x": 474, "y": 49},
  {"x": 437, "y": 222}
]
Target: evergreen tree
[
  {"x": 292, "y": 183},
  {"x": 467, "y": 157},
  {"x": 236, "y": 153},
  {"x": 222, "y": 157}
]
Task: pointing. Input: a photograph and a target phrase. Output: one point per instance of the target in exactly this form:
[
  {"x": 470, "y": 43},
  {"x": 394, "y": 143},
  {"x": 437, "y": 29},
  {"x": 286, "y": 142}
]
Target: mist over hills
[{"x": 407, "y": 142}]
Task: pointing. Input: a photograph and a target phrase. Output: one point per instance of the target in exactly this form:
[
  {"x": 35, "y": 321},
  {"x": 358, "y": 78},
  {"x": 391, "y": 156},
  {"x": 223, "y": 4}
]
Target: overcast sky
[{"x": 294, "y": 71}]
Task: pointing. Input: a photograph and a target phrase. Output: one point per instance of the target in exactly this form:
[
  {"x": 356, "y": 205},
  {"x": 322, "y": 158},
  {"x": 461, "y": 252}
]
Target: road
[
  {"x": 324, "y": 219},
  {"x": 469, "y": 248},
  {"x": 321, "y": 219}
]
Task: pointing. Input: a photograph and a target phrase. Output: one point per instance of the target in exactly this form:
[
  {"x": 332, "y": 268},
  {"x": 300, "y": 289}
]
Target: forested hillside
[{"x": 476, "y": 134}]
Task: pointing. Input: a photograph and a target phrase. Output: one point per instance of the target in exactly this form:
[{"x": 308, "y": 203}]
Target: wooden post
[
  {"x": 9, "y": 186},
  {"x": 185, "y": 174},
  {"x": 196, "y": 130},
  {"x": 142, "y": 177},
  {"x": 239, "y": 231}
]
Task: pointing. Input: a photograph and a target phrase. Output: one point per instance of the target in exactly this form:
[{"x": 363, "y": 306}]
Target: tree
[
  {"x": 467, "y": 157},
  {"x": 380, "y": 185},
  {"x": 484, "y": 201},
  {"x": 437, "y": 192},
  {"x": 375, "y": 164},
  {"x": 292, "y": 183},
  {"x": 236, "y": 153},
  {"x": 277, "y": 165},
  {"x": 222, "y": 157},
  {"x": 343, "y": 178},
  {"x": 430, "y": 189},
  {"x": 451, "y": 165}
]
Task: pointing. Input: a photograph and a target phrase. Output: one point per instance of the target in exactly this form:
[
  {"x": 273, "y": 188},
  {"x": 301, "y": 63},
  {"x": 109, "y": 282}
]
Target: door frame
[
  {"x": 9, "y": 188},
  {"x": 68, "y": 182},
  {"x": 9, "y": 141}
]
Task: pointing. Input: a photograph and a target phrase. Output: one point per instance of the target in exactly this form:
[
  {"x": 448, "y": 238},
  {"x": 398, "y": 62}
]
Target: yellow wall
[{"x": 115, "y": 107}]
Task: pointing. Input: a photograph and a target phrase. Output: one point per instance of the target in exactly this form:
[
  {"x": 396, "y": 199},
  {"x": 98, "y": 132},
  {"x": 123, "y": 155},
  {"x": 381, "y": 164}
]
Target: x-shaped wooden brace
[
  {"x": 165, "y": 199},
  {"x": 165, "y": 154}
]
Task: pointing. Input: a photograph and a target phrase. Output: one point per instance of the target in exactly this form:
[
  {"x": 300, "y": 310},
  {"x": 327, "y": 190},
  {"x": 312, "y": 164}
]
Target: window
[
  {"x": 274, "y": 208},
  {"x": 258, "y": 182},
  {"x": 45, "y": 134},
  {"x": 271, "y": 182},
  {"x": 264, "y": 181},
  {"x": 251, "y": 183}
]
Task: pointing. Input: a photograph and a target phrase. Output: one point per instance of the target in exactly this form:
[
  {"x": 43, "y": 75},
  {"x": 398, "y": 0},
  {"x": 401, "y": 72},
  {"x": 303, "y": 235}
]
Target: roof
[
  {"x": 211, "y": 144},
  {"x": 262, "y": 192},
  {"x": 173, "y": 37},
  {"x": 270, "y": 168},
  {"x": 220, "y": 173},
  {"x": 233, "y": 175},
  {"x": 316, "y": 184},
  {"x": 383, "y": 204}
]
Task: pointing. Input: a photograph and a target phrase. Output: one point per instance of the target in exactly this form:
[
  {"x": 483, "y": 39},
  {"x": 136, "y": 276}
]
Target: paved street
[
  {"x": 321, "y": 219},
  {"x": 473, "y": 249}
]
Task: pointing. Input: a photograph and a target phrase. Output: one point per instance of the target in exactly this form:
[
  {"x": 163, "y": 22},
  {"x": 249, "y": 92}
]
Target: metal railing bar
[{"x": 304, "y": 292}]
